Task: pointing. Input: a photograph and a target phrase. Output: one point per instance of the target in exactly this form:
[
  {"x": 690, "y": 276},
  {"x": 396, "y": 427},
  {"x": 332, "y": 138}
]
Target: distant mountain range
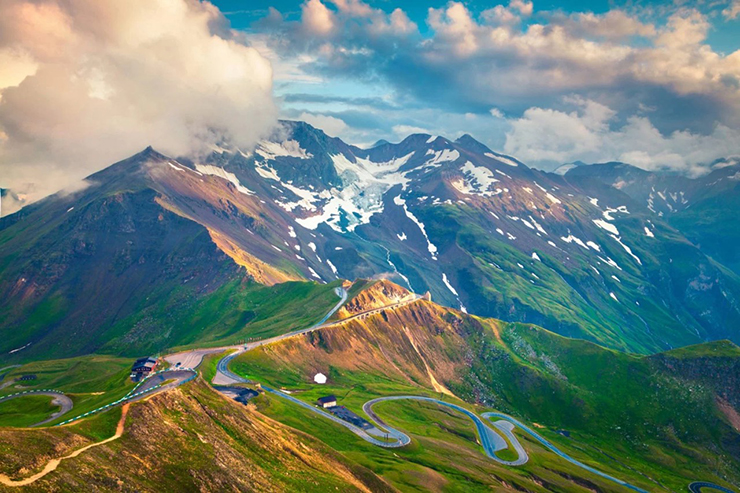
[{"x": 610, "y": 253}]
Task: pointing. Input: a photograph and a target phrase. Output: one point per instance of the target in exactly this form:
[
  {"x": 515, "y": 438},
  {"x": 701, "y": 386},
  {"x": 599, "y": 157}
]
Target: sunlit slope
[{"x": 664, "y": 416}]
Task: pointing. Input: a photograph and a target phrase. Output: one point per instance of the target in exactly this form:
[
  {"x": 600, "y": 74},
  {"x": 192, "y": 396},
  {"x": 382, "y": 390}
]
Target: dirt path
[{"x": 54, "y": 463}]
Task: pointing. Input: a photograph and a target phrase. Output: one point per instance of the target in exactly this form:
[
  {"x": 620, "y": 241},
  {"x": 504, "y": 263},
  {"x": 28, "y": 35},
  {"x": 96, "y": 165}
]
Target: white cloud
[
  {"x": 472, "y": 63},
  {"x": 732, "y": 11},
  {"x": 93, "y": 81},
  {"x": 329, "y": 124},
  {"x": 317, "y": 18},
  {"x": 403, "y": 131},
  {"x": 613, "y": 25},
  {"x": 525, "y": 8},
  {"x": 546, "y": 137},
  {"x": 454, "y": 26},
  {"x": 496, "y": 113}
]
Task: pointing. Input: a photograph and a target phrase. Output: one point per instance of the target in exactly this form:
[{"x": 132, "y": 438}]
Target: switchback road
[{"x": 59, "y": 399}]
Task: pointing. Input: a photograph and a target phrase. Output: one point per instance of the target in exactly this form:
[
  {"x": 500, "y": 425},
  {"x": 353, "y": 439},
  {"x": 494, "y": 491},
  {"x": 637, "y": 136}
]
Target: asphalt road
[
  {"x": 558, "y": 452},
  {"x": 490, "y": 440},
  {"x": 178, "y": 377},
  {"x": 699, "y": 486},
  {"x": 401, "y": 439},
  {"x": 224, "y": 376},
  {"x": 65, "y": 403},
  {"x": 193, "y": 358}
]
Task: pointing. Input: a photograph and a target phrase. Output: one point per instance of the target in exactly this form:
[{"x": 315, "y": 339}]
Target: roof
[
  {"x": 326, "y": 399},
  {"x": 141, "y": 361},
  {"x": 144, "y": 365}
]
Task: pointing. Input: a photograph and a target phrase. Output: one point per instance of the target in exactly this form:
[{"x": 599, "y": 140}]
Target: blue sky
[
  {"x": 653, "y": 83},
  {"x": 724, "y": 36}
]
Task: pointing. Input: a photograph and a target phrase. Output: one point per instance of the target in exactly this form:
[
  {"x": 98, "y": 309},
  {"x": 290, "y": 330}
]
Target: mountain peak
[
  {"x": 468, "y": 142},
  {"x": 381, "y": 142}
]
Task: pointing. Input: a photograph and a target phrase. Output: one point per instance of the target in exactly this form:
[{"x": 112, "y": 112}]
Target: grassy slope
[
  {"x": 233, "y": 314},
  {"x": 236, "y": 312},
  {"x": 25, "y": 411},
  {"x": 190, "y": 439},
  {"x": 90, "y": 381},
  {"x": 652, "y": 424}
]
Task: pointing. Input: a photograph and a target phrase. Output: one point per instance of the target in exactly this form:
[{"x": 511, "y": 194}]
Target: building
[
  {"x": 328, "y": 401},
  {"x": 143, "y": 367}
]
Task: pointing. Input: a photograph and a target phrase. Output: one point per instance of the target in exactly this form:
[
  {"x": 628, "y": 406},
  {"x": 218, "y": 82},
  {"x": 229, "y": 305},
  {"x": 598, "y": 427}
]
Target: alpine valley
[{"x": 596, "y": 309}]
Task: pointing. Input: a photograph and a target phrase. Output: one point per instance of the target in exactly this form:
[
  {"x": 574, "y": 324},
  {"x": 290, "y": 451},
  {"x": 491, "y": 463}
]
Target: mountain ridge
[{"x": 478, "y": 229}]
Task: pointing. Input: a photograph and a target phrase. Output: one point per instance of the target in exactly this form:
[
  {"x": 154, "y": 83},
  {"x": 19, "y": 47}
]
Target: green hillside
[{"x": 631, "y": 416}]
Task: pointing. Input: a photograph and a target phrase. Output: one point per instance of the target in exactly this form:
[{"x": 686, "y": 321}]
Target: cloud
[
  {"x": 468, "y": 63},
  {"x": 317, "y": 18},
  {"x": 732, "y": 11},
  {"x": 93, "y": 81},
  {"x": 329, "y": 124},
  {"x": 547, "y": 137},
  {"x": 613, "y": 25}
]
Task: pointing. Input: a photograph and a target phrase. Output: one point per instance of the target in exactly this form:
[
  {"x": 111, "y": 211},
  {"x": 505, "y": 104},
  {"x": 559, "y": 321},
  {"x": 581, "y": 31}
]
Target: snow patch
[
  {"x": 593, "y": 246},
  {"x": 502, "y": 159},
  {"x": 208, "y": 169},
  {"x": 430, "y": 246},
  {"x": 447, "y": 283},
  {"x": 606, "y": 226},
  {"x": 478, "y": 180},
  {"x": 443, "y": 156},
  {"x": 627, "y": 249},
  {"x": 574, "y": 239},
  {"x": 287, "y": 148}
]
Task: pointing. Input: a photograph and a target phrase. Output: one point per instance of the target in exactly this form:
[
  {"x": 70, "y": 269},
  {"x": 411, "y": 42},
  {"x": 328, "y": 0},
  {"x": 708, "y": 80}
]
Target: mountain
[
  {"x": 699, "y": 208},
  {"x": 657, "y": 421},
  {"x": 142, "y": 260},
  {"x": 477, "y": 229}
]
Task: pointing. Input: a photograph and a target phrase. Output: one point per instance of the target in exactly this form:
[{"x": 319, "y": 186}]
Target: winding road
[
  {"x": 184, "y": 364},
  {"x": 59, "y": 399},
  {"x": 490, "y": 440},
  {"x": 699, "y": 486},
  {"x": 557, "y": 451}
]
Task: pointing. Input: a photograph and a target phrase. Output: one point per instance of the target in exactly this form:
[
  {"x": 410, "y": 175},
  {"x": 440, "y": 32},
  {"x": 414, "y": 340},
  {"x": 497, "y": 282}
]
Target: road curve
[
  {"x": 558, "y": 452},
  {"x": 153, "y": 384},
  {"x": 65, "y": 403},
  {"x": 224, "y": 376},
  {"x": 698, "y": 486},
  {"x": 491, "y": 441},
  {"x": 401, "y": 440}
]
